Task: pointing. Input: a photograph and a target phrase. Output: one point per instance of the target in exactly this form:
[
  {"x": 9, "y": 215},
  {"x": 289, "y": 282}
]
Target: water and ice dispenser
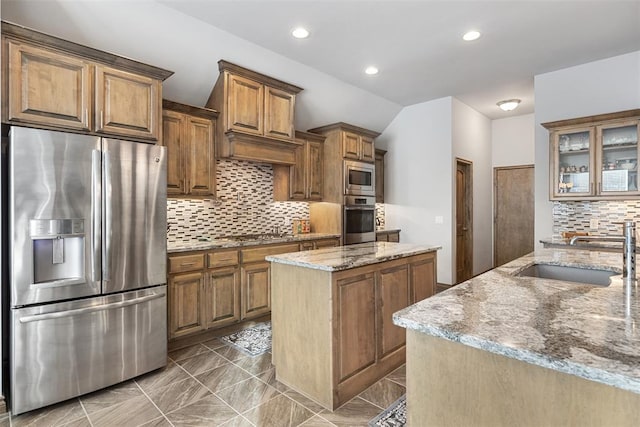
[{"x": 58, "y": 250}]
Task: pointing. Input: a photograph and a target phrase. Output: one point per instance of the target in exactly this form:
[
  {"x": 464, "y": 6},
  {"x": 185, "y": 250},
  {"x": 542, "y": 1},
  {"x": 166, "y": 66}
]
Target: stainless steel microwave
[{"x": 359, "y": 178}]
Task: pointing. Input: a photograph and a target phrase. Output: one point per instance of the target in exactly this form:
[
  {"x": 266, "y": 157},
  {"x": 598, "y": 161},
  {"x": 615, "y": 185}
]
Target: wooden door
[
  {"x": 423, "y": 279},
  {"x": 367, "y": 149},
  {"x": 356, "y": 325},
  {"x": 127, "y": 104},
  {"x": 186, "y": 304},
  {"x": 278, "y": 113},
  {"x": 47, "y": 88},
  {"x": 245, "y": 105},
  {"x": 201, "y": 162},
  {"x": 297, "y": 182},
  {"x": 379, "y": 163},
  {"x": 172, "y": 138},
  {"x": 350, "y": 145},
  {"x": 315, "y": 170},
  {"x": 222, "y": 296},
  {"x": 393, "y": 295},
  {"x": 256, "y": 289},
  {"x": 513, "y": 213},
  {"x": 464, "y": 220}
]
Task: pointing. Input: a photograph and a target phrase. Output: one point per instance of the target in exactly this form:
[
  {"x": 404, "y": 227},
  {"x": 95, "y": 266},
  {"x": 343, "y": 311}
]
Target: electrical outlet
[
  {"x": 439, "y": 220},
  {"x": 593, "y": 223}
]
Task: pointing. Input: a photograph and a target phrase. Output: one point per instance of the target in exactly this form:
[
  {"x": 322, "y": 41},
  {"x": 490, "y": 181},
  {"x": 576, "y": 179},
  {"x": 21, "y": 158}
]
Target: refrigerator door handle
[
  {"x": 107, "y": 213},
  {"x": 96, "y": 178},
  {"x": 78, "y": 311}
]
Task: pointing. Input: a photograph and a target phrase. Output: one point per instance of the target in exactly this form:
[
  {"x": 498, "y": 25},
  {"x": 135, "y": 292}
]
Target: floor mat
[
  {"x": 252, "y": 341},
  {"x": 394, "y": 416}
]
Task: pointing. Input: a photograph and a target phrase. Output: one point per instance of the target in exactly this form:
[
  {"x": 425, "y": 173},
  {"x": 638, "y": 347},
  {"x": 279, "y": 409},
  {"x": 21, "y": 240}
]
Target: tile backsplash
[
  {"x": 244, "y": 205},
  {"x": 576, "y": 216}
]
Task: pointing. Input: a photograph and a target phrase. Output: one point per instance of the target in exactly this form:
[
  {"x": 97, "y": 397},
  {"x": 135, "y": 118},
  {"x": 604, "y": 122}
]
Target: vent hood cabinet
[{"x": 256, "y": 116}]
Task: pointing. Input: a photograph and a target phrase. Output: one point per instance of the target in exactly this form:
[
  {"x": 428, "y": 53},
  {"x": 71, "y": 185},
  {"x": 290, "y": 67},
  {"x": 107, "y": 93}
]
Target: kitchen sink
[{"x": 569, "y": 274}]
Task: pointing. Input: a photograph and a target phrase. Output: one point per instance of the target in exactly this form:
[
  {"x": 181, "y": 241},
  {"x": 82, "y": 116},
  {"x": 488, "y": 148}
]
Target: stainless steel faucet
[{"x": 628, "y": 249}]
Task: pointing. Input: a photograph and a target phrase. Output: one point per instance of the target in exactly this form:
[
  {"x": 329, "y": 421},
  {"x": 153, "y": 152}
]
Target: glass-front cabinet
[{"x": 595, "y": 157}]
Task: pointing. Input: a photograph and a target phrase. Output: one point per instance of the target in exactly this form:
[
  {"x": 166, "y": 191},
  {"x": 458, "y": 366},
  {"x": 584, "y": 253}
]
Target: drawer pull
[{"x": 187, "y": 264}]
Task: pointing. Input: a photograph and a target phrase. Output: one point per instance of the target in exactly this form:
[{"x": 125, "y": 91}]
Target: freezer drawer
[{"x": 63, "y": 350}]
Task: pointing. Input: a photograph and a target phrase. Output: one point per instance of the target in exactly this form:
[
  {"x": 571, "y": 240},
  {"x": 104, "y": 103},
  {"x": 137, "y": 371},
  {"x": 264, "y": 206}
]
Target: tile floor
[{"x": 208, "y": 383}]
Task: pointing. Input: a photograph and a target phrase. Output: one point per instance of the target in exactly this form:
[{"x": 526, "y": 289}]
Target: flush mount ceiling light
[
  {"x": 300, "y": 33},
  {"x": 509, "y": 104},
  {"x": 371, "y": 70},
  {"x": 471, "y": 36}
]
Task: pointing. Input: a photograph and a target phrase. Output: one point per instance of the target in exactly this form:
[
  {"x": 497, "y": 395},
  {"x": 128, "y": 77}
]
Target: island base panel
[{"x": 451, "y": 384}]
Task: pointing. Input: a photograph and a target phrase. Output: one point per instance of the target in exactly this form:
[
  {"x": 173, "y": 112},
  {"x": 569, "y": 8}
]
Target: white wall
[
  {"x": 155, "y": 34},
  {"x": 598, "y": 87},
  {"x": 513, "y": 141},
  {"x": 471, "y": 140},
  {"x": 418, "y": 185}
]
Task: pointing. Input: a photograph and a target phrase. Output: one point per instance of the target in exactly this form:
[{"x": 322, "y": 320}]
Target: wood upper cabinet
[
  {"x": 53, "y": 83},
  {"x": 127, "y": 104},
  {"x": 257, "y": 113},
  {"x": 379, "y": 162},
  {"x": 188, "y": 134},
  {"x": 356, "y": 146},
  {"x": 305, "y": 179},
  {"x": 594, "y": 158},
  {"x": 46, "y": 87}
]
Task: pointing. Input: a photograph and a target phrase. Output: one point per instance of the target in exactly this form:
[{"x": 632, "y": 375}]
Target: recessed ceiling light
[
  {"x": 509, "y": 104},
  {"x": 471, "y": 35},
  {"x": 300, "y": 33},
  {"x": 371, "y": 70}
]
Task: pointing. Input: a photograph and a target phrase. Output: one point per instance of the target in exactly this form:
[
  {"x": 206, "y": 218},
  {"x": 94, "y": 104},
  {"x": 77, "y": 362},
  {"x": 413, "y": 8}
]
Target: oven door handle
[{"x": 359, "y": 208}]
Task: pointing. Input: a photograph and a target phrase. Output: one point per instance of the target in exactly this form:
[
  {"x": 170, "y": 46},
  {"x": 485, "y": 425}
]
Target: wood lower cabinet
[
  {"x": 53, "y": 83},
  {"x": 186, "y": 311},
  {"x": 333, "y": 332},
  {"x": 256, "y": 290},
  {"x": 388, "y": 236},
  {"x": 188, "y": 134},
  {"x": 222, "y": 296}
]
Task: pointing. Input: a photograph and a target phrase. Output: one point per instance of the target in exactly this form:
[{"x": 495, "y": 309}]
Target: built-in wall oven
[
  {"x": 359, "y": 222},
  {"x": 359, "y": 179}
]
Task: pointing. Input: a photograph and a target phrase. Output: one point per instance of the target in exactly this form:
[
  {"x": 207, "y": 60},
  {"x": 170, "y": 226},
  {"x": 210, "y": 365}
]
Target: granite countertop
[
  {"x": 224, "y": 243},
  {"x": 592, "y": 332},
  {"x": 351, "y": 256}
]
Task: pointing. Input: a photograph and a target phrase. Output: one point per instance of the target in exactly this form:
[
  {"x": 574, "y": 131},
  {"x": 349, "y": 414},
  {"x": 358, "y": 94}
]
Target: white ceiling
[{"x": 418, "y": 48}]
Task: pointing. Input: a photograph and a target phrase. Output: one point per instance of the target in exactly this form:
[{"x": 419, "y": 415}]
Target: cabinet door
[
  {"x": 350, "y": 145},
  {"x": 127, "y": 104},
  {"x": 423, "y": 278},
  {"x": 278, "y": 113},
  {"x": 172, "y": 138},
  {"x": 222, "y": 296},
  {"x": 572, "y": 163},
  {"x": 382, "y": 237},
  {"x": 393, "y": 295},
  {"x": 315, "y": 170},
  {"x": 356, "y": 328},
  {"x": 185, "y": 304},
  {"x": 326, "y": 243},
  {"x": 297, "y": 172},
  {"x": 201, "y": 163},
  {"x": 617, "y": 162},
  {"x": 393, "y": 237},
  {"x": 367, "y": 149},
  {"x": 379, "y": 162},
  {"x": 246, "y": 105},
  {"x": 47, "y": 88},
  {"x": 256, "y": 289}
]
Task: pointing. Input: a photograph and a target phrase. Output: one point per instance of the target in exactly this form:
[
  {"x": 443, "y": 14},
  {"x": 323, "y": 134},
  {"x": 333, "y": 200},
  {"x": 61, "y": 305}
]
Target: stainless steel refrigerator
[{"x": 87, "y": 264}]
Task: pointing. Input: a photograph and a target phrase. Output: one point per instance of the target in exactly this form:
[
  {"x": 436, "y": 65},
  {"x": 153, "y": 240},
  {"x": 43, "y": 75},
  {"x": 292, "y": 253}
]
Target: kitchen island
[
  {"x": 506, "y": 350},
  {"x": 331, "y": 314}
]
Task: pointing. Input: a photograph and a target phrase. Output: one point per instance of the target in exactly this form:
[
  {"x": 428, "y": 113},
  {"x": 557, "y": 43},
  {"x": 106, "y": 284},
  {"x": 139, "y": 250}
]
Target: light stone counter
[
  {"x": 588, "y": 331},
  {"x": 222, "y": 243},
  {"x": 351, "y": 256}
]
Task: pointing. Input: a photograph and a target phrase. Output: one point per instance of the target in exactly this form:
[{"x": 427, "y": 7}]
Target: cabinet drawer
[
  {"x": 258, "y": 254},
  {"x": 180, "y": 263},
  {"x": 222, "y": 258}
]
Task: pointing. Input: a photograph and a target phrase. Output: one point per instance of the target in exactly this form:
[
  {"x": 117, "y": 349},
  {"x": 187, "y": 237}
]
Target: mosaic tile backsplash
[
  {"x": 576, "y": 216},
  {"x": 244, "y": 205}
]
